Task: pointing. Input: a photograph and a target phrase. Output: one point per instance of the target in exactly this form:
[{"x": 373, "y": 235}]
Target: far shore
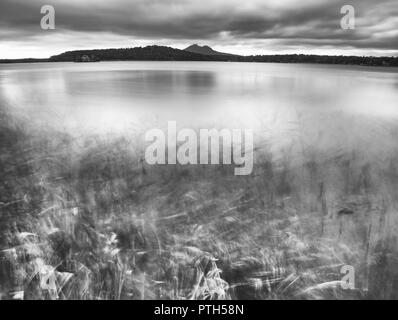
[{"x": 161, "y": 53}]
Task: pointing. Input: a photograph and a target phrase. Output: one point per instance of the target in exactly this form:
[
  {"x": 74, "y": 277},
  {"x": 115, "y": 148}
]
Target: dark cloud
[{"x": 315, "y": 23}]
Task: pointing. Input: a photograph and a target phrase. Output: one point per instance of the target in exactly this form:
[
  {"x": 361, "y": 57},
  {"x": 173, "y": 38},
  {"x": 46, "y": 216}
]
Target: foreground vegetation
[{"x": 85, "y": 218}]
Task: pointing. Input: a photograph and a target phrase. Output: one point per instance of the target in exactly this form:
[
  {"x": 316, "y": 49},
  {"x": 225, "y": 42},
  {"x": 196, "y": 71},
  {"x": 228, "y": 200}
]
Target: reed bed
[{"x": 86, "y": 218}]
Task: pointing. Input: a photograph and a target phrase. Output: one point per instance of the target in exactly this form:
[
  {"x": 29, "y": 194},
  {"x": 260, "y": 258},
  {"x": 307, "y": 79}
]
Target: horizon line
[{"x": 232, "y": 54}]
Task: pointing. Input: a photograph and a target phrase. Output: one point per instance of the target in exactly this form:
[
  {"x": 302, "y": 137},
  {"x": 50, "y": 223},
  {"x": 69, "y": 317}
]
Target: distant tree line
[
  {"x": 348, "y": 60},
  {"x": 26, "y": 60},
  {"x": 159, "y": 53}
]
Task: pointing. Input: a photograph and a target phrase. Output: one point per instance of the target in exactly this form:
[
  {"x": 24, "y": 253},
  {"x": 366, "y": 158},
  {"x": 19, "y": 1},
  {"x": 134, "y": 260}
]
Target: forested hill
[{"x": 156, "y": 53}]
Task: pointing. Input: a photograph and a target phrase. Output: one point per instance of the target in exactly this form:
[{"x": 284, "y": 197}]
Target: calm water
[{"x": 325, "y": 105}]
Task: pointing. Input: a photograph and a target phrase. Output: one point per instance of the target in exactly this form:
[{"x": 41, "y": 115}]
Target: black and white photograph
[{"x": 213, "y": 150}]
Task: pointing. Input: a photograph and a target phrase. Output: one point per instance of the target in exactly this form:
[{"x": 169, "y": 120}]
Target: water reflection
[{"x": 277, "y": 100}]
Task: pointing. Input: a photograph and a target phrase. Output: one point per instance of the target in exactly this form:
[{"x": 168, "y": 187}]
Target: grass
[{"x": 85, "y": 218}]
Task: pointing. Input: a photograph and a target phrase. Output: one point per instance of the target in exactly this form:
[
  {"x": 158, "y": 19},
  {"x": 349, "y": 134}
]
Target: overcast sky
[{"x": 236, "y": 26}]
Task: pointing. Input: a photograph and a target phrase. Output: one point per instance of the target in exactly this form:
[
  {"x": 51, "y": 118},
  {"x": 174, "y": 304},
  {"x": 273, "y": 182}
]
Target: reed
[{"x": 85, "y": 218}]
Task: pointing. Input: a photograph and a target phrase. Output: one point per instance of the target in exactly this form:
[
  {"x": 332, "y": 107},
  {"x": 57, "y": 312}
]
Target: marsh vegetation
[
  {"x": 87, "y": 219},
  {"x": 82, "y": 216}
]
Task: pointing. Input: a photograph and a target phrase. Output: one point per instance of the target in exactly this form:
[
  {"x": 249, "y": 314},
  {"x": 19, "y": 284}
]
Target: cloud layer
[{"x": 250, "y": 26}]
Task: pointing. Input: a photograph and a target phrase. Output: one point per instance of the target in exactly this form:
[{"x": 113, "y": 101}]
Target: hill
[
  {"x": 206, "y": 50},
  {"x": 156, "y": 53}
]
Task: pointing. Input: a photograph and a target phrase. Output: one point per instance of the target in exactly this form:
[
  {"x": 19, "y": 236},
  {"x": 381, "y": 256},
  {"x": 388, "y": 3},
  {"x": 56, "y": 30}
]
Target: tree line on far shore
[{"x": 160, "y": 53}]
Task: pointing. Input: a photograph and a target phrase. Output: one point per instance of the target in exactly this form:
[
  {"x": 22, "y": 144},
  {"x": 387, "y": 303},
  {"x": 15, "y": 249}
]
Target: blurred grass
[{"x": 85, "y": 218}]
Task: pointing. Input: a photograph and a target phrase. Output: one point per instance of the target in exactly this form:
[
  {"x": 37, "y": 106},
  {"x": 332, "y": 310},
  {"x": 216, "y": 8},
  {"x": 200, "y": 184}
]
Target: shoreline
[{"x": 10, "y": 62}]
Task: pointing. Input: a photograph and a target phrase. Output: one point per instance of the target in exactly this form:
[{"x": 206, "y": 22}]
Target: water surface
[{"x": 326, "y": 106}]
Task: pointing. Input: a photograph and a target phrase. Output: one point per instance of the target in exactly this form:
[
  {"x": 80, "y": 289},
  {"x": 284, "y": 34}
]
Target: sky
[{"x": 243, "y": 27}]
